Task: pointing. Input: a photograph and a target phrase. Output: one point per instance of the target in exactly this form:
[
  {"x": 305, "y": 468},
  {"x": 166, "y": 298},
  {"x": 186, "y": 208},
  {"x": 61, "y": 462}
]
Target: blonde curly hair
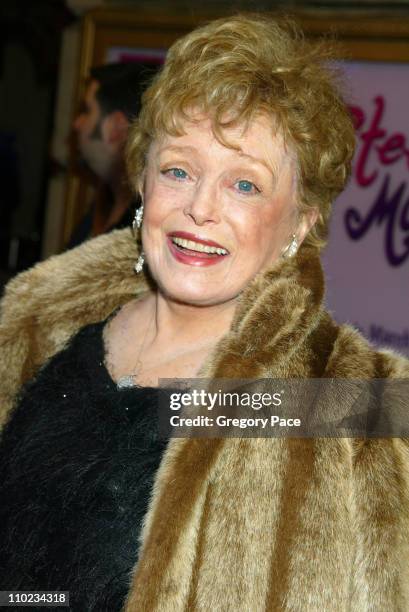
[{"x": 237, "y": 67}]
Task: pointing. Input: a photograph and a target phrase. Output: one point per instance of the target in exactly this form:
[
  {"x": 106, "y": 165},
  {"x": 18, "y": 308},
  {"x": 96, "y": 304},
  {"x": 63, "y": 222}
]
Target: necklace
[{"x": 128, "y": 380}]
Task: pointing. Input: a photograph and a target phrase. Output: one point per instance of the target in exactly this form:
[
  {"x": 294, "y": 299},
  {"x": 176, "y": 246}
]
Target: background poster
[
  {"x": 367, "y": 259},
  {"x": 133, "y": 54}
]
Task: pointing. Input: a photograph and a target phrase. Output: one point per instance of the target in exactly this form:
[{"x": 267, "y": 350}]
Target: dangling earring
[
  {"x": 292, "y": 248},
  {"x": 136, "y": 224},
  {"x": 137, "y": 220},
  {"x": 139, "y": 263}
]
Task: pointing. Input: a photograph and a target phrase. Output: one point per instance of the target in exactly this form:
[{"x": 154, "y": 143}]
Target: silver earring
[
  {"x": 136, "y": 224},
  {"x": 139, "y": 263},
  {"x": 292, "y": 248},
  {"x": 137, "y": 220}
]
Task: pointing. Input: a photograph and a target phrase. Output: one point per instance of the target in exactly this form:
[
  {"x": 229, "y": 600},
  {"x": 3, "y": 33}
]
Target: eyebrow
[
  {"x": 187, "y": 148},
  {"x": 176, "y": 149},
  {"x": 257, "y": 161}
]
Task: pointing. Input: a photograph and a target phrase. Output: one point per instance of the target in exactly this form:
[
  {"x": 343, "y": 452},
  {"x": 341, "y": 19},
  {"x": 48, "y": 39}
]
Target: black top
[{"x": 77, "y": 462}]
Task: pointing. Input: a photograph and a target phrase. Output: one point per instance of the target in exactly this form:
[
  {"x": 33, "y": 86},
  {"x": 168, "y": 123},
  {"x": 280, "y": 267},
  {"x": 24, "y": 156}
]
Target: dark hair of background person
[{"x": 121, "y": 86}]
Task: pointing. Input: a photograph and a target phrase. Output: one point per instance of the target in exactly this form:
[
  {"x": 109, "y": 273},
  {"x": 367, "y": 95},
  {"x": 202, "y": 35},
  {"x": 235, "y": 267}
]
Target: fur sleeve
[
  {"x": 14, "y": 347},
  {"x": 46, "y": 305}
]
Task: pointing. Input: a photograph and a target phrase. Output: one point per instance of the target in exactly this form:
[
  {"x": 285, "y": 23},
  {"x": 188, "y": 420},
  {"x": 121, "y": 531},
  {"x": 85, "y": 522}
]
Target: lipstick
[{"x": 194, "y": 250}]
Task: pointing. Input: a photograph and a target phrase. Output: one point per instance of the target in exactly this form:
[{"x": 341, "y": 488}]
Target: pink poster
[{"x": 367, "y": 260}]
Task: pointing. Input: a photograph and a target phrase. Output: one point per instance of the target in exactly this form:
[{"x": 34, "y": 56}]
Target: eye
[
  {"x": 176, "y": 173},
  {"x": 244, "y": 186}
]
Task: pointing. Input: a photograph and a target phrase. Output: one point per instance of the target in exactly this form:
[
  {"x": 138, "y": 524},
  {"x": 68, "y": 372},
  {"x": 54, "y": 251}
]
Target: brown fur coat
[{"x": 247, "y": 525}]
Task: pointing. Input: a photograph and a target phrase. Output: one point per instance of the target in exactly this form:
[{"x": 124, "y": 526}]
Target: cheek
[
  {"x": 279, "y": 217},
  {"x": 266, "y": 220},
  {"x": 154, "y": 203},
  {"x": 263, "y": 238},
  {"x": 158, "y": 206},
  {"x": 266, "y": 231}
]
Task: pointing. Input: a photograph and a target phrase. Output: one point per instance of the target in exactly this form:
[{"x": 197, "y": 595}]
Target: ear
[
  {"x": 307, "y": 221},
  {"x": 115, "y": 128}
]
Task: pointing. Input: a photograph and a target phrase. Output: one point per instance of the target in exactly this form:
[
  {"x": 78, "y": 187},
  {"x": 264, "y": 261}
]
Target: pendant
[{"x": 125, "y": 382}]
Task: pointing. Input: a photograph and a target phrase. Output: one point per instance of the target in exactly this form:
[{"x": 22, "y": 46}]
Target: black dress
[{"x": 77, "y": 462}]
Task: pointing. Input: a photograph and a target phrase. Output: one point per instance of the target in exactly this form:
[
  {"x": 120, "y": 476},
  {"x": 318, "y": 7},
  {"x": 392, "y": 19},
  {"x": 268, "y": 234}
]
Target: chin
[
  {"x": 192, "y": 296},
  {"x": 196, "y": 287}
]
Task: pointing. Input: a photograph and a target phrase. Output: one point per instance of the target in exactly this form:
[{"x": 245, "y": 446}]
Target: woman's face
[{"x": 202, "y": 196}]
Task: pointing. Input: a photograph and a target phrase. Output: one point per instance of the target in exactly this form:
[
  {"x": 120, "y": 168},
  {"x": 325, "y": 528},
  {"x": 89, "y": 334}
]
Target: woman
[{"x": 241, "y": 146}]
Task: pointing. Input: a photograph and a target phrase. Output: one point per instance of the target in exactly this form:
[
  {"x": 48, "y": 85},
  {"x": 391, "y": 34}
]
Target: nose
[{"x": 203, "y": 206}]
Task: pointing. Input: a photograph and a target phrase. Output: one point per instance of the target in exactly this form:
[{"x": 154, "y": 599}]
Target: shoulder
[
  {"x": 74, "y": 279},
  {"x": 109, "y": 255},
  {"x": 44, "y": 306},
  {"x": 381, "y": 376},
  {"x": 353, "y": 356}
]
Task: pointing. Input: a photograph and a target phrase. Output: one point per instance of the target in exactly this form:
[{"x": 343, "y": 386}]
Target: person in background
[{"x": 111, "y": 101}]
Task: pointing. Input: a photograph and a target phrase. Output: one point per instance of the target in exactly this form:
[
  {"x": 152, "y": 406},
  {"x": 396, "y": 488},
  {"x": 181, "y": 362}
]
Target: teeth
[{"x": 196, "y": 246}]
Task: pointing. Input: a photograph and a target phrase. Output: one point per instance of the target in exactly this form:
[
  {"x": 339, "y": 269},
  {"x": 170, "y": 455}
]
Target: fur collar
[{"x": 46, "y": 305}]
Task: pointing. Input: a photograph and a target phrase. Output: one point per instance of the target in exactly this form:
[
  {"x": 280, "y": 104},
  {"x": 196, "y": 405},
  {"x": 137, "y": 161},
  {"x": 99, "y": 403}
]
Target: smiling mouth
[{"x": 196, "y": 248}]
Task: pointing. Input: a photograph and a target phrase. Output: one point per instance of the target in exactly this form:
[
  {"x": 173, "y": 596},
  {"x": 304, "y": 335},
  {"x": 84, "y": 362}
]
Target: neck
[{"x": 187, "y": 324}]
